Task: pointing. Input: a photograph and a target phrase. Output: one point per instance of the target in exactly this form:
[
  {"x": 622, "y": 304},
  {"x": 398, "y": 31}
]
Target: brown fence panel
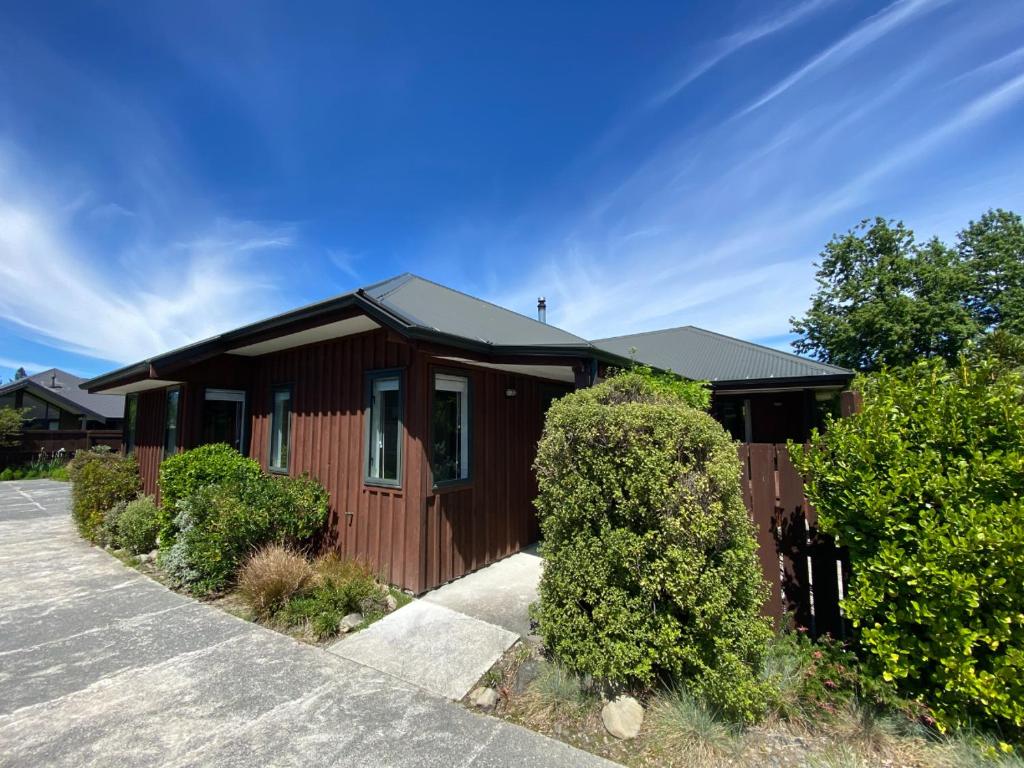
[
  {"x": 807, "y": 574},
  {"x": 50, "y": 441}
]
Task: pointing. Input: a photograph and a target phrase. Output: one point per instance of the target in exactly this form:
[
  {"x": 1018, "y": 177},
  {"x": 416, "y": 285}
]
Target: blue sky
[{"x": 170, "y": 170}]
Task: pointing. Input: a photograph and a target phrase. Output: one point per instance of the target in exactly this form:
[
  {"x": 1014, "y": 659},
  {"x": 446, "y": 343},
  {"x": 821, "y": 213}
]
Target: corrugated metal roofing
[
  {"x": 63, "y": 385},
  {"x": 698, "y": 354},
  {"x": 437, "y": 307}
]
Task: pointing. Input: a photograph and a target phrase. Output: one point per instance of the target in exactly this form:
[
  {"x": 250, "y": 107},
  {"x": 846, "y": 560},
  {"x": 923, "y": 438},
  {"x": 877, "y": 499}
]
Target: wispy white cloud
[
  {"x": 892, "y": 17},
  {"x": 52, "y": 290},
  {"x": 730, "y": 44}
]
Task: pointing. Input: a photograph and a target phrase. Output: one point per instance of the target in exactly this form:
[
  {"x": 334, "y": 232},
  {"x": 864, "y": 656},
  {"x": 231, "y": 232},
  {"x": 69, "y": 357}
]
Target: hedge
[
  {"x": 925, "y": 487},
  {"x": 100, "y": 480},
  {"x": 650, "y": 558}
]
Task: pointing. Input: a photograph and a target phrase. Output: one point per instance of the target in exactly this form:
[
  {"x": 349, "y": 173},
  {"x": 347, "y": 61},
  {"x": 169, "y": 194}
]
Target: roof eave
[{"x": 796, "y": 382}]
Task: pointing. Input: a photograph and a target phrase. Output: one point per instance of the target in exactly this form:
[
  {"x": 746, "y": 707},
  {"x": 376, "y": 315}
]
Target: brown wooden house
[{"x": 418, "y": 407}]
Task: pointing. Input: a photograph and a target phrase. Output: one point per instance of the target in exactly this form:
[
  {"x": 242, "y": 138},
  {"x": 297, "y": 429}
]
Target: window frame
[
  {"x": 274, "y": 389},
  {"x": 225, "y": 395},
  {"x": 459, "y": 373},
  {"x": 177, "y": 420},
  {"x": 371, "y": 377},
  {"x": 131, "y": 420}
]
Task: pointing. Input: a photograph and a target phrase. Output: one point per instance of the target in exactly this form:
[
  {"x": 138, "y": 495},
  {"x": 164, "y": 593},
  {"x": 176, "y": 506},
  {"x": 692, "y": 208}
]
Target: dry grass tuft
[{"x": 271, "y": 577}]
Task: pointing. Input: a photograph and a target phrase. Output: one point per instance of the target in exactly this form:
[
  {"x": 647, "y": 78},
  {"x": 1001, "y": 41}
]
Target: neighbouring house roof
[
  {"x": 63, "y": 390},
  {"x": 699, "y": 354},
  {"x": 415, "y": 307}
]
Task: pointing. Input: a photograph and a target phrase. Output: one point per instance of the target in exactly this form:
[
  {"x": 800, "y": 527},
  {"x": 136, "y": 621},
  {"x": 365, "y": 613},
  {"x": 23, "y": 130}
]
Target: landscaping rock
[
  {"x": 623, "y": 717},
  {"x": 350, "y": 622},
  {"x": 484, "y": 698},
  {"x": 528, "y": 671},
  {"x": 390, "y": 603}
]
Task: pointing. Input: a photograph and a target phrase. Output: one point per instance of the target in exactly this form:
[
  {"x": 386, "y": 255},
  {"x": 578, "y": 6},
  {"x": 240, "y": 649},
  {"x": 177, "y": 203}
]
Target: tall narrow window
[
  {"x": 280, "y": 428},
  {"x": 384, "y": 454},
  {"x": 450, "y": 460},
  {"x": 131, "y": 413},
  {"x": 224, "y": 417},
  {"x": 171, "y": 422}
]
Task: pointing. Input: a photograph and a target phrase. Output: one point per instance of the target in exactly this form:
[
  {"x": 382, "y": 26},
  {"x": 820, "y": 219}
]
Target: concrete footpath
[{"x": 101, "y": 666}]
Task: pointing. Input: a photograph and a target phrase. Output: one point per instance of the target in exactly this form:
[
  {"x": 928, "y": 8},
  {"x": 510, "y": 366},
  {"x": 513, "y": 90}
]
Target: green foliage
[
  {"x": 992, "y": 249},
  {"x": 184, "y": 473},
  {"x": 641, "y": 384},
  {"x": 7, "y": 474},
  {"x": 924, "y": 487},
  {"x": 883, "y": 299},
  {"x": 651, "y": 567},
  {"x": 137, "y": 525},
  {"x": 340, "y": 586},
  {"x": 11, "y": 422},
  {"x": 100, "y": 479},
  {"x": 229, "y": 510}
]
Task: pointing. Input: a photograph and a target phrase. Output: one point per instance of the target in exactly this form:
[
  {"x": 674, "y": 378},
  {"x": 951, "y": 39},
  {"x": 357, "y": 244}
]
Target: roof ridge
[
  {"x": 490, "y": 303},
  {"x": 648, "y": 333},
  {"x": 400, "y": 279},
  {"x": 766, "y": 348}
]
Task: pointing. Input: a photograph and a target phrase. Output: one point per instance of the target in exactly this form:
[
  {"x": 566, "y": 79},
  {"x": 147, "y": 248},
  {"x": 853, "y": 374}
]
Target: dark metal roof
[
  {"x": 409, "y": 304},
  {"x": 698, "y": 354},
  {"x": 62, "y": 388},
  {"x": 436, "y": 307}
]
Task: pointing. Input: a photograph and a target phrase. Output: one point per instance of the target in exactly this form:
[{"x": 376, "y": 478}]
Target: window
[
  {"x": 39, "y": 414},
  {"x": 131, "y": 412},
  {"x": 224, "y": 418},
  {"x": 280, "y": 428},
  {"x": 171, "y": 422},
  {"x": 450, "y": 428},
  {"x": 384, "y": 428}
]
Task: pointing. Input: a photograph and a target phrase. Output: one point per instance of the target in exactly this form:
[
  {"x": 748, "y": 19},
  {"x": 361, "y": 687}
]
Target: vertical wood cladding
[{"x": 417, "y": 537}]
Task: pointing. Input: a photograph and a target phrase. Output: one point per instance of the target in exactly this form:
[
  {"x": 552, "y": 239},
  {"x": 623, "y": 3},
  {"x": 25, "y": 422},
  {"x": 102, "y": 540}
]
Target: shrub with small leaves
[
  {"x": 184, "y": 473},
  {"x": 136, "y": 527},
  {"x": 651, "y": 568},
  {"x": 100, "y": 479},
  {"x": 925, "y": 487}
]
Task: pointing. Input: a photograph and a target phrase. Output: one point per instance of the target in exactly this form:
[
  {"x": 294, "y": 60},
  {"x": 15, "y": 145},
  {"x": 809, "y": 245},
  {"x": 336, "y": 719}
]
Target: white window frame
[{"x": 447, "y": 382}]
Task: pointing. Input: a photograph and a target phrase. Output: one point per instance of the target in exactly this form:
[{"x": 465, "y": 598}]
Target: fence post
[{"x": 850, "y": 401}]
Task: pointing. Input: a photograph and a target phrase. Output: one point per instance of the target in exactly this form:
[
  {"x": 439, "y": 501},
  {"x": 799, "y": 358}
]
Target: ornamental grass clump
[
  {"x": 925, "y": 487},
  {"x": 651, "y": 571}
]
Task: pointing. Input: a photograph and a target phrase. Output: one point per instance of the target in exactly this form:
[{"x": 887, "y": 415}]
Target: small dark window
[
  {"x": 384, "y": 429},
  {"x": 450, "y": 428},
  {"x": 171, "y": 422},
  {"x": 224, "y": 418},
  {"x": 131, "y": 413},
  {"x": 280, "y": 428},
  {"x": 732, "y": 414}
]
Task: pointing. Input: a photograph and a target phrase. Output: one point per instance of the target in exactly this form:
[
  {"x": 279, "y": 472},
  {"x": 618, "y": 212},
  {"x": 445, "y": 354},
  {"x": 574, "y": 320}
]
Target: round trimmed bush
[
  {"x": 137, "y": 525},
  {"x": 925, "y": 487},
  {"x": 182, "y": 474},
  {"x": 650, "y": 558}
]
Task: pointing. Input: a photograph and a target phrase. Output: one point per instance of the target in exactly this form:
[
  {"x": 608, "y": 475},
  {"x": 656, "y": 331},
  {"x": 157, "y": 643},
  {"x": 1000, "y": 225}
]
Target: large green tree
[{"x": 885, "y": 299}]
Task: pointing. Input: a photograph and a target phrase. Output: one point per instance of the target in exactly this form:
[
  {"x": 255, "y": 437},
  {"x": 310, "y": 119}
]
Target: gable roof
[
  {"x": 409, "y": 304},
  {"x": 63, "y": 390},
  {"x": 429, "y": 305},
  {"x": 699, "y": 354}
]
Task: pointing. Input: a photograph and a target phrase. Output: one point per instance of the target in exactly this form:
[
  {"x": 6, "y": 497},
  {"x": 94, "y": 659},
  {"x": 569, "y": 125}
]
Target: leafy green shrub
[
  {"x": 106, "y": 532},
  {"x": 100, "y": 479},
  {"x": 926, "y": 488},
  {"x": 651, "y": 568},
  {"x": 137, "y": 525},
  {"x": 271, "y": 577},
  {"x": 7, "y": 474},
  {"x": 218, "y": 526},
  {"x": 340, "y": 586},
  {"x": 182, "y": 474}
]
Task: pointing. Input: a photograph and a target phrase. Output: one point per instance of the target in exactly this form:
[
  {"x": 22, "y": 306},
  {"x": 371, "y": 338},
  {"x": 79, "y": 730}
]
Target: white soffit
[
  {"x": 549, "y": 372},
  {"x": 348, "y": 327},
  {"x": 140, "y": 386}
]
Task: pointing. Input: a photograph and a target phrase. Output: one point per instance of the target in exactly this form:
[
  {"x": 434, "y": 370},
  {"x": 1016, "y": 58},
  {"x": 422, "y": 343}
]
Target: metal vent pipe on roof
[{"x": 542, "y": 309}]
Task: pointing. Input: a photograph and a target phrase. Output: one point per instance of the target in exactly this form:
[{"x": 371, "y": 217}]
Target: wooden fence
[
  {"x": 807, "y": 573},
  {"x": 49, "y": 441}
]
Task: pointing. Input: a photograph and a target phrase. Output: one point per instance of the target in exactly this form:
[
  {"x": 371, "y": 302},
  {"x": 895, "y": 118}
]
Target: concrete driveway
[{"x": 101, "y": 666}]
